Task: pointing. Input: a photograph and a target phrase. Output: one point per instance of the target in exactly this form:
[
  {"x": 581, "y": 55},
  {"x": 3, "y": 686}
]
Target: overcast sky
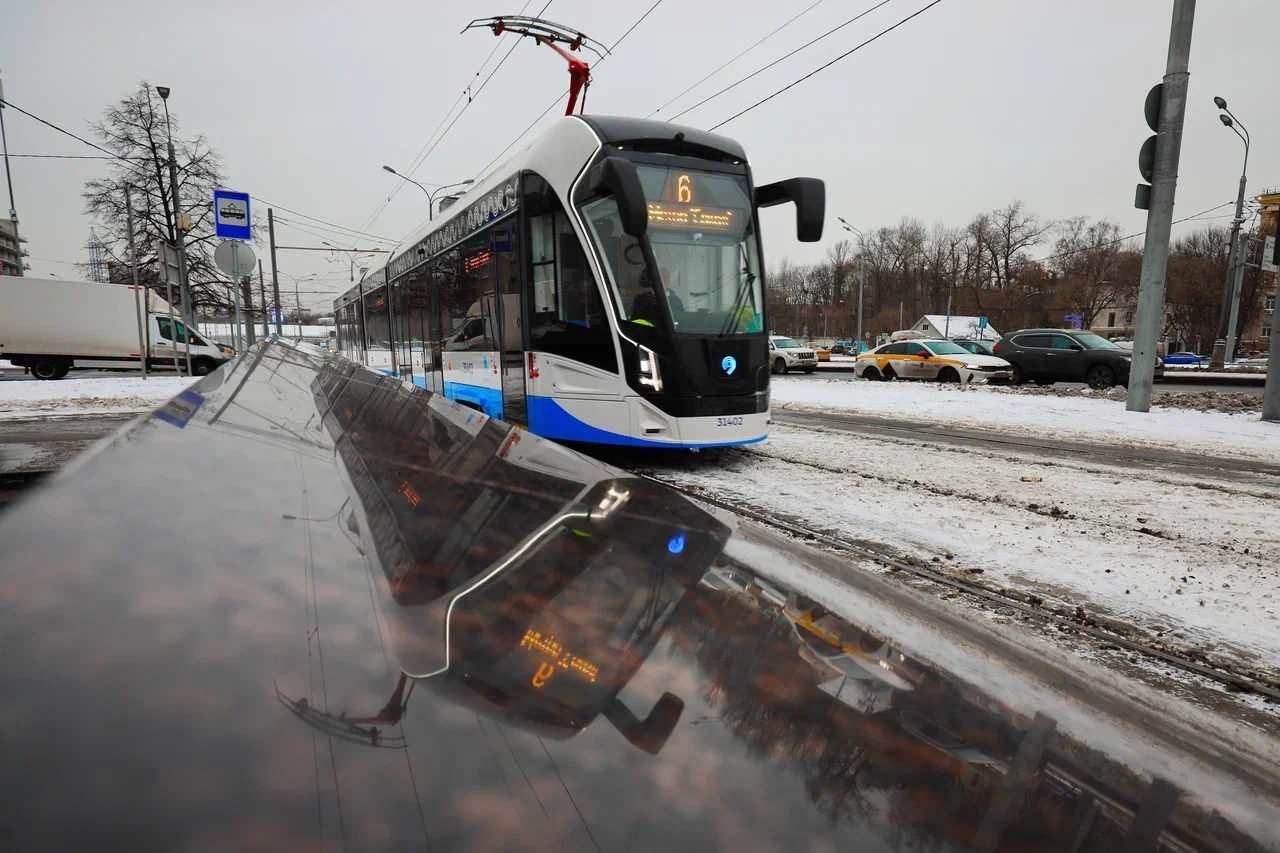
[{"x": 969, "y": 105}]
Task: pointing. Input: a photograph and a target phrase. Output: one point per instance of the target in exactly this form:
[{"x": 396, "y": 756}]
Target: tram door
[
  {"x": 433, "y": 356},
  {"x": 504, "y": 247}
]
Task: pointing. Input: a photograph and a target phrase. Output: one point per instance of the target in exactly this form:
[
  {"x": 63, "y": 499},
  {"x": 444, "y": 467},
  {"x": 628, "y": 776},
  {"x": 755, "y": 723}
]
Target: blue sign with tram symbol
[
  {"x": 729, "y": 364},
  {"x": 231, "y": 219}
]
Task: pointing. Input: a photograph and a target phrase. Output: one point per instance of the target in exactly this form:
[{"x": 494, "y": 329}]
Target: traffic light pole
[{"x": 1155, "y": 254}]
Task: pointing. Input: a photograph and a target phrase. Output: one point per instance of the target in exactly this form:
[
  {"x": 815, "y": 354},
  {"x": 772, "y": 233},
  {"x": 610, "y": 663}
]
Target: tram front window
[{"x": 702, "y": 237}]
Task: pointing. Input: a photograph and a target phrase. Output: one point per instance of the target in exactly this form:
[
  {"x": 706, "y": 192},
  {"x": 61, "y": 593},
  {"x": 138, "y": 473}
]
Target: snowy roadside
[
  {"x": 97, "y": 396},
  {"x": 1049, "y": 415},
  {"x": 1189, "y": 560}
]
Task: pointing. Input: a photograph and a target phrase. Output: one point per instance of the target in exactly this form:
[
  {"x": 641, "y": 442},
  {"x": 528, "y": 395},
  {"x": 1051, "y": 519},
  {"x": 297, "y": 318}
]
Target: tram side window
[
  {"x": 377, "y": 320},
  {"x": 466, "y": 296},
  {"x": 566, "y": 313}
]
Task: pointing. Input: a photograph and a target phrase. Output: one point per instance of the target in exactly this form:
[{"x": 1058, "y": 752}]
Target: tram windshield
[{"x": 702, "y": 237}]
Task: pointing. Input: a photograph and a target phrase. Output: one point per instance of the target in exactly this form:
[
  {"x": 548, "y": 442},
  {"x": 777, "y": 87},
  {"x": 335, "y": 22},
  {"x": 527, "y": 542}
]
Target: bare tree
[
  {"x": 135, "y": 130},
  {"x": 1009, "y": 233},
  {"x": 1086, "y": 261}
]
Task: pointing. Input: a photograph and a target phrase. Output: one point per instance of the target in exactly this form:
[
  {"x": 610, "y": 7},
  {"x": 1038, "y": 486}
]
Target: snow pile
[
  {"x": 1053, "y": 414},
  {"x": 23, "y": 400},
  {"x": 1199, "y": 401}
]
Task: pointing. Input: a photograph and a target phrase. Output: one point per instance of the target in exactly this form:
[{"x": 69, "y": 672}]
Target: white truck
[{"x": 50, "y": 325}]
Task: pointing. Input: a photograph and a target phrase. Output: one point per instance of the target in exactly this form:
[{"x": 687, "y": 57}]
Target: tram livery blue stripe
[
  {"x": 488, "y": 399},
  {"x": 549, "y": 419}
]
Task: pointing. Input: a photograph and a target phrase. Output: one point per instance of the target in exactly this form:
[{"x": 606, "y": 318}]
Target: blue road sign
[
  {"x": 982, "y": 322},
  {"x": 231, "y": 215}
]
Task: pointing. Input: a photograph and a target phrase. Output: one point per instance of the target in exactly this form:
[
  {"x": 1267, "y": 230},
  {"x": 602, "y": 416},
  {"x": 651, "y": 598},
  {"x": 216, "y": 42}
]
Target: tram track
[{"x": 1078, "y": 621}]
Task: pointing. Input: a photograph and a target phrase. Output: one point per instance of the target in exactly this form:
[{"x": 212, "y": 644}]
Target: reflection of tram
[
  {"x": 532, "y": 589},
  {"x": 604, "y": 286}
]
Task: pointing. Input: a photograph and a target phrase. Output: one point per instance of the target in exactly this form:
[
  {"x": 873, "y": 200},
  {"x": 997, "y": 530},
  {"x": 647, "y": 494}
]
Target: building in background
[
  {"x": 1269, "y": 209},
  {"x": 11, "y": 252},
  {"x": 956, "y": 326}
]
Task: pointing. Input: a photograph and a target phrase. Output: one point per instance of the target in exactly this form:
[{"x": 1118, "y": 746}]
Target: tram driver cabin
[{"x": 605, "y": 285}]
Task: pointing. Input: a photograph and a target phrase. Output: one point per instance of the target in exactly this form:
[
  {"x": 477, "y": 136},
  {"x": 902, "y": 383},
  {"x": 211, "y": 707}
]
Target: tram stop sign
[
  {"x": 231, "y": 253},
  {"x": 231, "y": 215}
]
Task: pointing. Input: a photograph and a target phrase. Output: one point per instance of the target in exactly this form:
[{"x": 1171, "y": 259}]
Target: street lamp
[
  {"x": 179, "y": 236},
  {"x": 431, "y": 194},
  {"x": 862, "y": 276},
  {"x": 1224, "y": 347}
]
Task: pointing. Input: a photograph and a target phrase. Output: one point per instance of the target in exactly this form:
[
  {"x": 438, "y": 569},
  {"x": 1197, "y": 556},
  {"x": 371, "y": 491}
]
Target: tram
[{"x": 604, "y": 286}]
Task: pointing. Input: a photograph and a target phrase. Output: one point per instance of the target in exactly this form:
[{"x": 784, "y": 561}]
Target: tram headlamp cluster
[{"x": 649, "y": 373}]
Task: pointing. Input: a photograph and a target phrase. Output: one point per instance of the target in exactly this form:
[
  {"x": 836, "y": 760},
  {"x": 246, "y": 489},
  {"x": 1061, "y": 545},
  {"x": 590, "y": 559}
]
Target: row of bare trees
[{"x": 987, "y": 268}]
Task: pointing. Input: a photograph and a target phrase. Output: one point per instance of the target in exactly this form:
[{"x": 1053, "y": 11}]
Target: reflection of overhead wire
[
  {"x": 520, "y": 767},
  {"x": 309, "y": 569},
  {"x": 326, "y": 518},
  {"x": 585, "y": 825}
]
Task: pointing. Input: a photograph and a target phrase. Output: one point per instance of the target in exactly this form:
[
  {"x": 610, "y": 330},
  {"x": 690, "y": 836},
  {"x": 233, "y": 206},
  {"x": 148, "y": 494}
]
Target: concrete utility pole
[
  {"x": 8, "y": 176},
  {"x": 1224, "y": 346},
  {"x": 275, "y": 276},
  {"x": 1237, "y": 285},
  {"x": 262, "y": 293},
  {"x": 1164, "y": 183},
  {"x": 247, "y": 284}
]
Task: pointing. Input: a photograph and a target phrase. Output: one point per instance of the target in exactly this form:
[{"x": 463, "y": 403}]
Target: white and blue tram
[{"x": 606, "y": 286}]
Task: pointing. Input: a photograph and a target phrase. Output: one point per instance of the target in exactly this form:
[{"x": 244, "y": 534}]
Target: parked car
[
  {"x": 785, "y": 354},
  {"x": 1046, "y": 356},
  {"x": 1186, "y": 358},
  {"x": 943, "y": 361},
  {"x": 977, "y": 347},
  {"x": 841, "y": 347}
]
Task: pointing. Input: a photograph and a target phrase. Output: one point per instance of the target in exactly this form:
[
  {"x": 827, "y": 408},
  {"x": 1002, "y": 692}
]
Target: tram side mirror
[
  {"x": 618, "y": 177},
  {"x": 651, "y": 733},
  {"x": 810, "y": 196}
]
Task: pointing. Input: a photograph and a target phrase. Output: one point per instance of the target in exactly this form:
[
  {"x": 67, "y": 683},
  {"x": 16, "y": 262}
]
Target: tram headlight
[{"x": 649, "y": 372}]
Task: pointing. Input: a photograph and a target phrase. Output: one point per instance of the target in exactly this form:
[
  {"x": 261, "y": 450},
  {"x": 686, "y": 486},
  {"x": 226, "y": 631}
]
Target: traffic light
[{"x": 1147, "y": 154}]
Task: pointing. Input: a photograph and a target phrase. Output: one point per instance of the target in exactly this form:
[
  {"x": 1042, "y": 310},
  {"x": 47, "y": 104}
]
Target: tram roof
[{"x": 610, "y": 130}]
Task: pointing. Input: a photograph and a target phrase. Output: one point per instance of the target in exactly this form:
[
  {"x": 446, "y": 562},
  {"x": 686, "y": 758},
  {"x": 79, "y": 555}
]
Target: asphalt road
[{"x": 16, "y": 374}]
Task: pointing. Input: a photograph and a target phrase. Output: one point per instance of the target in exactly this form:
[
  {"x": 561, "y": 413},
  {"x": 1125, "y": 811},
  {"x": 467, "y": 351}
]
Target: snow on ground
[
  {"x": 1192, "y": 558},
  {"x": 29, "y": 400},
  {"x": 1050, "y": 416}
]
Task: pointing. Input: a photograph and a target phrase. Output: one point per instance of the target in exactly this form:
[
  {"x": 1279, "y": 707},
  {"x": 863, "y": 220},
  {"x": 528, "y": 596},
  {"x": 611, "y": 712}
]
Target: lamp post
[
  {"x": 1224, "y": 347},
  {"x": 862, "y": 275},
  {"x": 179, "y": 235},
  {"x": 431, "y": 194}
]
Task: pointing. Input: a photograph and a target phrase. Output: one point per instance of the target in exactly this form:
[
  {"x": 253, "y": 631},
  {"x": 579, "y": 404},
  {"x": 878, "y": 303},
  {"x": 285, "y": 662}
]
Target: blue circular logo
[
  {"x": 730, "y": 364},
  {"x": 676, "y": 545}
]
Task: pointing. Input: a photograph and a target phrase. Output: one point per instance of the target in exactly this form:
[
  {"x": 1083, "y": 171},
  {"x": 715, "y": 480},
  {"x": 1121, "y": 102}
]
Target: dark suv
[{"x": 1046, "y": 356}]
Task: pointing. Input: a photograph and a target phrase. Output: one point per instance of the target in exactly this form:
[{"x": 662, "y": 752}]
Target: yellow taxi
[
  {"x": 822, "y": 353},
  {"x": 935, "y": 360}
]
